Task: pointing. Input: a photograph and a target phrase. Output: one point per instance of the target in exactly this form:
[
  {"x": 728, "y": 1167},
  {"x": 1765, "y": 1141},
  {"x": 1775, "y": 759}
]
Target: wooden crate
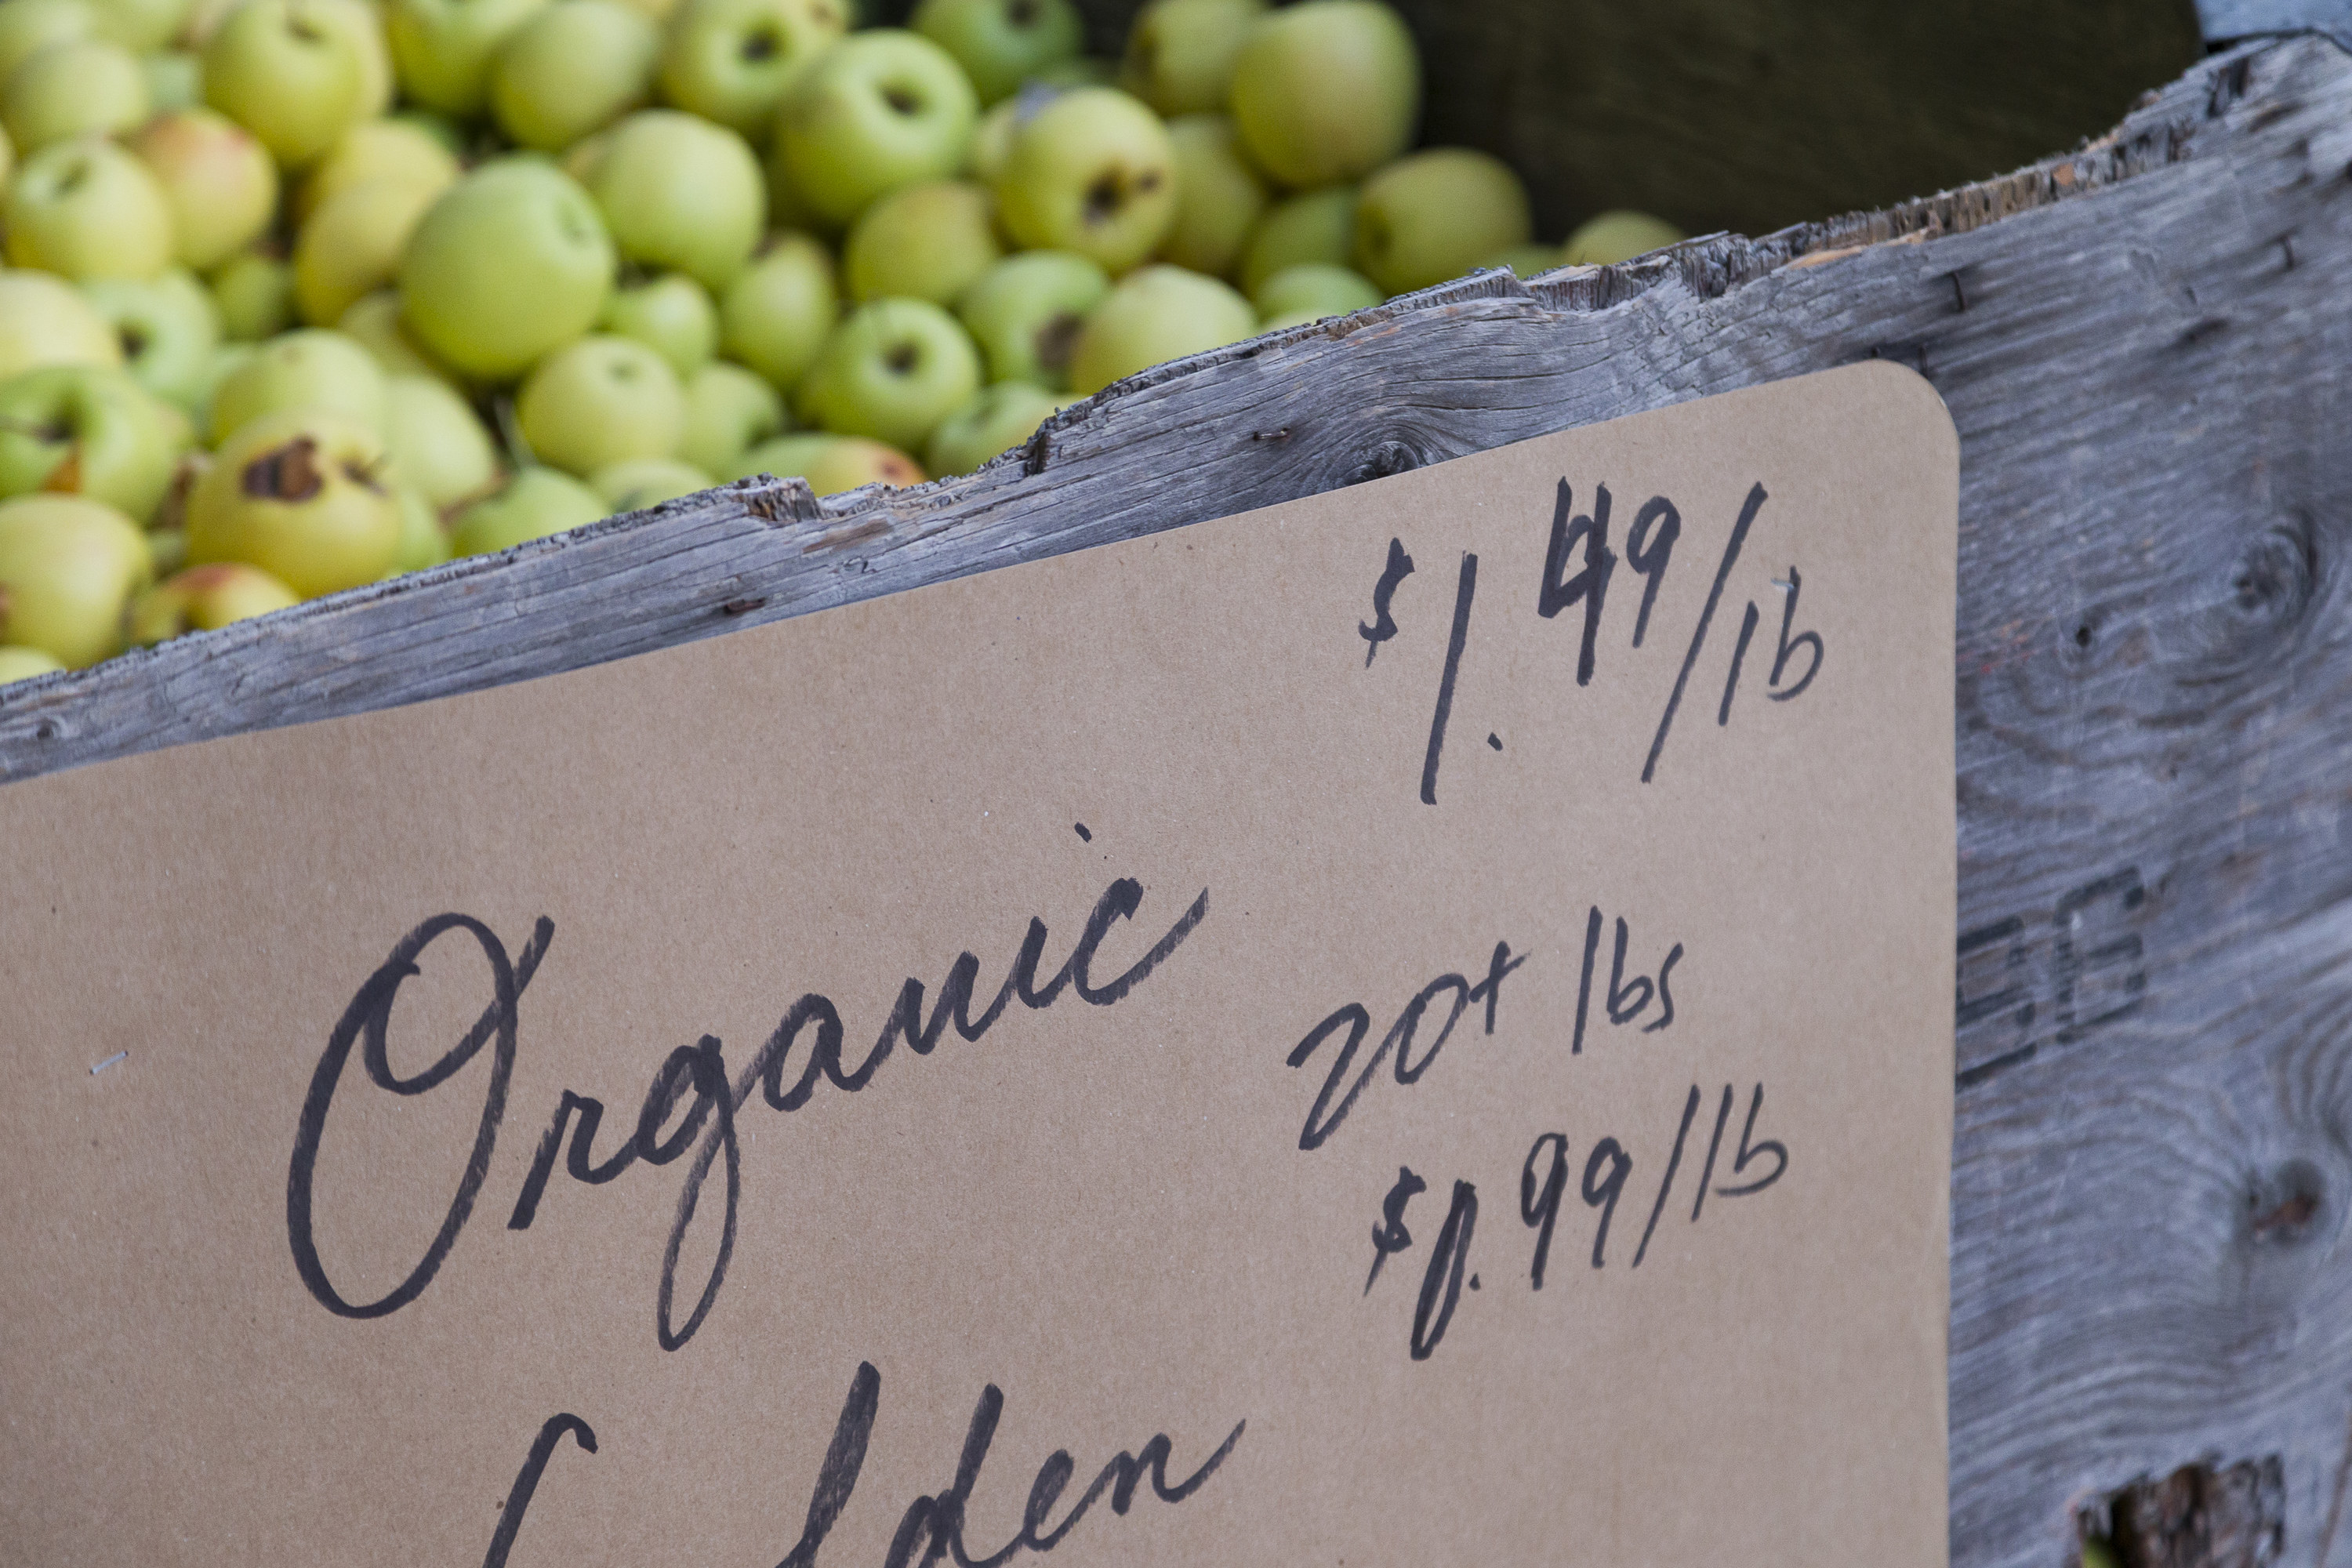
[{"x": 2143, "y": 343}]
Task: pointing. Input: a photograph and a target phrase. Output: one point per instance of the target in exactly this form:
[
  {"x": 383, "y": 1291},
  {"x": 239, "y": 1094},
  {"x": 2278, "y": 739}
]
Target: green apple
[
  {"x": 1312, "y": 290},
  {"x": 1003, "y": 43},
  {"x": 656, "y": 10},
  {"x": 143, "y": 26},
  {"x": 204, "y": 599},
  {"x": 85, "y": 87},
  {"x": 403, "y": 147},
  {"x": 441, "y": 49},
  {"x": 176, "y": 80},
  {"x": 68, "y": 568},
  {"x": 314, "y": 368},
  {"x": 45, "y": 321},
  {"x": 728, "y": 410},
  {"x": 997, "y": 419},
  {"x": 672, "y": 315},
  {"x": 219, "y": 182},
  {"x": 641, "y": 482},
  {"x": 424, "y": 540},
  {"x": 255, "y": 293},
  {"x": 1327, "y": 91},
  {"x": 1157, "y": 313},
  {"x": 82, "y": 430},
  {"x": 25, "y": 663},
  {"x": 306, "y": 494},
  {"x": 573, "y": 68},
  {"x": 879, "y": 110},
  {"x": 1085, "y": 70},
  {"x": 7, "y": 158},
  {"x": 1219, "y": 197},
  {"x": 924, "y": 242},
  {"x": 892, "y": 370},
  {"x": 29, "y": 25},
  {"x": 732, "y": 61},
  {"x": 830, "y": 464},
  {"x": 510, "y": 262},
  {"x": 296, "y": 73},
  {"x": 438, "y": 448},
  {"x": 373, "y": 322},
  {"x": 534, "y": 503},
  {"x": 224, "y": 361},
  {"x": 1024, "y": 312},
  {"x": 679, "y": 194},
  {"x": 779, "y": 310},
  {"x": 1436, "y": 215},
  {"x": 1319, "y": 226},
  {"x": 351, "y": 245},
  {"x": 1620, "y": 236},
  {"x": 1526, "y": 260},
  {"x": 599, "y": 401},
  {"x": 992, "y": 134},
  {"x": 1092, "y": 171},
  {"x": 88, "y": 209},
  {"x": 168, "y": 328},
  {"x": 1180, "y": 53}
]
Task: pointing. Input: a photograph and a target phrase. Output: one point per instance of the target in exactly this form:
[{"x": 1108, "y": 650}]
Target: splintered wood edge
[{"x": 765, "y": 549}]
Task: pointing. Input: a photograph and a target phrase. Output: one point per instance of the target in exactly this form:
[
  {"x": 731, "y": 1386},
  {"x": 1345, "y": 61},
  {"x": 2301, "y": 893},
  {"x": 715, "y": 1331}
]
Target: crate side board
[{"x": 2143, "y": 346}]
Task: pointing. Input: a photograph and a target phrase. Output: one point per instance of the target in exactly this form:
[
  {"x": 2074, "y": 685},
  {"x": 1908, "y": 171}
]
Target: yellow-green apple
[
  {"x": 314, "y": 368},
  {"x": 143, "y": 26},
  {"x": 204, "y": 599},
  {"x": 573, "y": 68},
  {"x": 1085, "y": 70},
  {"x": 88, "y": 209},
  {"x": 352, "y": 243},
  {"x": 672, "y": 315},
  {"x": 168, "y": 327},
  {"x": 1024, "y": 312},
  {"x": 1003, "y": 43},
  {"x": 728, "y": 410},
  {"x": 438, "y": 448},
  {"x": 224, "y": 361},
  {"x": 28, "y": 25},
  {"x": 306, "y": 494},
  {"x": 219, "y": 182},
  {"x": 510, "y": 262},
  {"x": 1092, "y": 171},
  {"x": 401, "y": 147},
  {"x": 636, "y": 483},
  {"x": 892, "y": 370},
  {"x": 25, "y": 663},
  {"x": 1436, "y": 215},
  {"x": 1327, "y": 91},
  {"x": 82, "y": 430},
  {"x": 678, "y": 193},
  {"x": 176, "y": 80},
  {"x": 830, "y": 464},
  {"x": 1526, "y": 260},
  {"x": 732, "y": 60},
  {"x": 1157, "y": 313},
  {"x": 879, "y": 110},
  {"x": 1312, "y": 290},
  {"x": 441, "y": 50},
  {"x": 68, "y": 568},
  {"x": 599, "y": 401},
  {"x": 424, "y": 540},
  {"x": 992, "y": 134},
  {"x": 45, "y": 321},
  {"x": 1219, "y": 197},
  {"x": 779, "y": 310},
  {"x": 997, "y": 419},
  {"x": 1317, "y": 226},
  {"x": 656, "y": 10},
  {"x": 84, "y": 87},
  {"x": 1620, "y": 236},
  {"x": 7, "y": 158},
  {"x": 373, "y": 322},
  {"x": 1179, "y": 53},
  {"x": 532, "y": 504},
  {"x": 925, "y": 242},
  {"x": 296, "y": 73},
  {"x": 255, "y": 293}
]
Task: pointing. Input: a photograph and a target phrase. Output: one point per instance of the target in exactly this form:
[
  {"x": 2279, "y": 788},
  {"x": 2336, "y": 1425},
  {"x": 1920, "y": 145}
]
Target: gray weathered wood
[
  {"x": 2226, "y": 21},
  {"x": 2144, "y": 345}
]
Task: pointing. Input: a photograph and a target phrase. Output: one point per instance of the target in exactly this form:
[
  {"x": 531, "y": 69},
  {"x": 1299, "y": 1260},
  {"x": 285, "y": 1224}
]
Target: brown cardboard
[{"x": 1100, "y": 1209}]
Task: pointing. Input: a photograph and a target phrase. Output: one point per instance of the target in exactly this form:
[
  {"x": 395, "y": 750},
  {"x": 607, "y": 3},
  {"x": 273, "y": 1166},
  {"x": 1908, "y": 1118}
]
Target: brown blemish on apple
[
  {"x": 762, "y": 44},
  {"x": 289, "y": 473},
  {"x": 1022, "y": 13},
  {"x": 66, "y": 477},
  {"x": 1104, "y": 197},
  {"x": 1056, "y": 339}
]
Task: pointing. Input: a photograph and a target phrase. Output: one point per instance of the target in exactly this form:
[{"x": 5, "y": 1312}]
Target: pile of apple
[{"x": 301, "y": 294}]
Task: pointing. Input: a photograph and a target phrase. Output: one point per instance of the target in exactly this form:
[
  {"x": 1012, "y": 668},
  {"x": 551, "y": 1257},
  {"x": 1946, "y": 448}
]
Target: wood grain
[{"x": 2144, "y": 345}]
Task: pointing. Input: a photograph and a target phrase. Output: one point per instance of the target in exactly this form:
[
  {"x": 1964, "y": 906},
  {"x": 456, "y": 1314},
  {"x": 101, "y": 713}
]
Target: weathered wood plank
[{"x": 2144, "y": 348}]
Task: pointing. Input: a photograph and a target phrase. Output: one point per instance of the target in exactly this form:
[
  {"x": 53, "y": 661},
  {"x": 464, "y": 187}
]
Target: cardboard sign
[{"x": 1411, "y": 1026}]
